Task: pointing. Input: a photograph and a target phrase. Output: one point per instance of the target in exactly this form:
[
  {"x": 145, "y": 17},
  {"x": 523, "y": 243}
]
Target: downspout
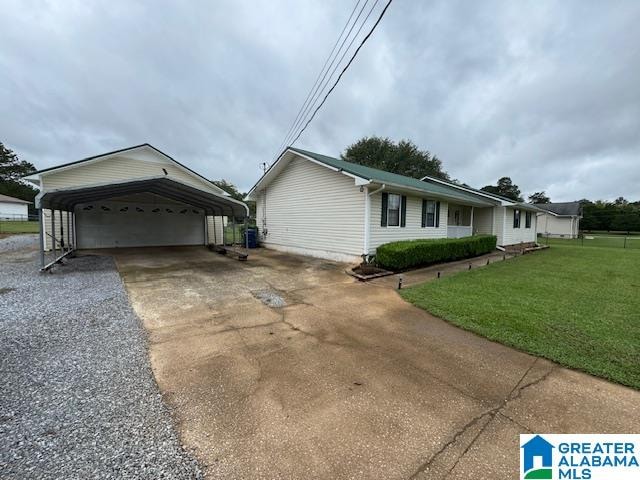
[{"x": 367, "y": 217}]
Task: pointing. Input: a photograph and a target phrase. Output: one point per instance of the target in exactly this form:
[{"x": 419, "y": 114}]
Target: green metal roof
[{"x": 394, "y": 179}]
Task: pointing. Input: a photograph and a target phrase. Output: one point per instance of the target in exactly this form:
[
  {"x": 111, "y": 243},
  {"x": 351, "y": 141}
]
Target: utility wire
[
  {"x": 364, "y": 40},
  {"x": 312, "y": 91},
  {"x": 322, "y": 90},
  {"x": 325, "y": 80}
]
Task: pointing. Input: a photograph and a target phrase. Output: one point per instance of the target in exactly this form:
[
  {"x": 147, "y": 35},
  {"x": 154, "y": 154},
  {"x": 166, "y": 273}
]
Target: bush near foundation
[{"x": 419, "y": 253}]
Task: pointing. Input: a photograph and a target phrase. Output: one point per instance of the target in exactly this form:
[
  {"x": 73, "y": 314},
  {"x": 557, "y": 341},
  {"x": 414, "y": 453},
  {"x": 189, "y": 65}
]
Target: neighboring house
[
  {"x": 13, "y": 208},
  {"x": 321, "y": 206},
  {"x": 134, "y": 197},
  {"x": 560, "y": 219}
]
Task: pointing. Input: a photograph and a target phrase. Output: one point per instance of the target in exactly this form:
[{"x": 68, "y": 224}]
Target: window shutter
[
  {"x": 437, "y": 214},
  {"x": 515, "y": 216},
  {"x": 424, "y": 213},
  {"x": 383, "y": 214},
  {"x": 403, "y": 211}
]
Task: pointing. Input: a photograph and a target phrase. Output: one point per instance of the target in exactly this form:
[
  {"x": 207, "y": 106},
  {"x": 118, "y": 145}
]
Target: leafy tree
[
  {"x": 12, "y": 169},
  {"x": 505, "y": 188},
  {"x": 404, "y": 157},
  {"x": 230, "y": 188},
  {"x": 539, "y": 197},
  {"x": 233, "y": 192},
  {"x": 610, "y": 216}
]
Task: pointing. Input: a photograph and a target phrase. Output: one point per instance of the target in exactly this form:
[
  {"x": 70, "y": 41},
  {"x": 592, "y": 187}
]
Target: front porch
[{"x": 459, "y": 221}]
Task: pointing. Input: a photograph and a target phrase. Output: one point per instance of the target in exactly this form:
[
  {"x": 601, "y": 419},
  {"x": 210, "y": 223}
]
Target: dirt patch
[{"x": 368, "y": 272}]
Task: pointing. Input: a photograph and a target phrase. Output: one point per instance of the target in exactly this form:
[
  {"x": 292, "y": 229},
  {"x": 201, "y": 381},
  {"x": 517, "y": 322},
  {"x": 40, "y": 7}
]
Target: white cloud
[{"x": 545, "y": 92}]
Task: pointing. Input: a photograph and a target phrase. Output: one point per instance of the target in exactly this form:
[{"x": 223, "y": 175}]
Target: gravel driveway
[{"x": 77, "y": 395}]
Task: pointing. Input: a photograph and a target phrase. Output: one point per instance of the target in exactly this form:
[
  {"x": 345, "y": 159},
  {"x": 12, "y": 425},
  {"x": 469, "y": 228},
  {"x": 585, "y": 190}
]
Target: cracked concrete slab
[{"x": 346, "y": 380}]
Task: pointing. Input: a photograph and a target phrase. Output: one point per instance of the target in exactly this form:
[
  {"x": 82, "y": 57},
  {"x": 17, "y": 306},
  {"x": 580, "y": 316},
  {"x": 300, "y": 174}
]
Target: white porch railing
[{"x": 459, "y": 231}]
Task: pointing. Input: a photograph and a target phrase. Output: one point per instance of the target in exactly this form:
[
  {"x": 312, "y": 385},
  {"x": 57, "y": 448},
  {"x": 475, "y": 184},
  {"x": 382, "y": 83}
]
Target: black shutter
[
  {"x": 424, "y": 213},
  {"x": 403, "y": 211},
  {"x": 437, "y": 214},
  {"x": 515, "y": 219},
  {"x": 383, "y": 214}
]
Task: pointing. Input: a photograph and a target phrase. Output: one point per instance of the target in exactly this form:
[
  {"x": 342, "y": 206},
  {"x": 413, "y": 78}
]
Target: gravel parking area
[{"x": 78, "y": 398}]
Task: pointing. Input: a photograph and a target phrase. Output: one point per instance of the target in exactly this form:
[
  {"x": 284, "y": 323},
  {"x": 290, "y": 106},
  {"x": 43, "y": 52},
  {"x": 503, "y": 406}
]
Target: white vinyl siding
[
  {"x": 215, "y": 236},
  {"x": 60, "y": 229},
  {"x": 483, "y": 221},
  {"x": 566, "y": 227},
  {"x": 512, "y": 236},
  {"x": 120, "y": 168},
  {"x": 311, "y": 209},
  {"x": 130, "y": 165},
  {"x": 413, "y": 228},
  {"x": 14, "y": 211}
]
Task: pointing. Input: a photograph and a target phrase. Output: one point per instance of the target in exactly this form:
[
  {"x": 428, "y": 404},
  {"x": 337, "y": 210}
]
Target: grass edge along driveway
[{"x": 577, "y": 306}]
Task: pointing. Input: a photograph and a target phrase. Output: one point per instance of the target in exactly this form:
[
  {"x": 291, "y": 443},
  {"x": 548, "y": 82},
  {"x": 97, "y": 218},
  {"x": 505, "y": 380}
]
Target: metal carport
[{"x": 66, "y": 199}]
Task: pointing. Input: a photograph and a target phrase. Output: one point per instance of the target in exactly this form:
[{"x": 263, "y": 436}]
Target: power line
[
  {"x": 313, "y": 89},
  {"x": 364, "y": 40},
  {"x": 325, "y": 80},
  {"x": 324, "y": 86}
]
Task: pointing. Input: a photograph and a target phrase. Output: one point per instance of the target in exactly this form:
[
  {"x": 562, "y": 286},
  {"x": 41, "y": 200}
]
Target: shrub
[{"x": 419, "y": 253}]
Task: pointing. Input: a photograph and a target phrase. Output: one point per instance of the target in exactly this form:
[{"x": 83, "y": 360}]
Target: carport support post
[
  {"x": 73, "y": 229},
  {"x": 53, "y": 232},
  {"x": 42, "y": 234},
  {"x": 61, "y": 231},
  {"x": 234, "y": 230},
  {"x": 68, "y": 231},
  {"x": 246, "y": 233}
]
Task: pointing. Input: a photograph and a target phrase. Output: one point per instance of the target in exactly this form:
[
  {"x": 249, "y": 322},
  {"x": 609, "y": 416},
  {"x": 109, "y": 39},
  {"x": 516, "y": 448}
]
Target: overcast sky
[{"x": 547, "y": 93}]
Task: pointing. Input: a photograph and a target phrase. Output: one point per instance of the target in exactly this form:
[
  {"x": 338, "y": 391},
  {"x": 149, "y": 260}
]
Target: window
[
  {"x": 430, "y": 213},
  {"x": 516, "y": 219},
  {"x": 393, "y": 210},
  {"x": 527, "y": 220}
]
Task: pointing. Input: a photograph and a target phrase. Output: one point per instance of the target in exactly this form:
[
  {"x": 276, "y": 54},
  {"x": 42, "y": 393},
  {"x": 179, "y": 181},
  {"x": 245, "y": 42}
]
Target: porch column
[
  {"x": 367, "y": 221},
  {"x": 472, "y": 220}
]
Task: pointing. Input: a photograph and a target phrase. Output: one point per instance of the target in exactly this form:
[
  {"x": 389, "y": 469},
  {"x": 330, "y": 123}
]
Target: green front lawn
[
  {"x": 19, "y": 227},
  {"x": 575, "y": 305}
]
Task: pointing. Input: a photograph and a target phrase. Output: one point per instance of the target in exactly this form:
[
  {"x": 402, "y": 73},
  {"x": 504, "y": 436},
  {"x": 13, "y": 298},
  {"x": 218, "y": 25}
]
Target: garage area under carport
[{"x": 155, "y": 211}]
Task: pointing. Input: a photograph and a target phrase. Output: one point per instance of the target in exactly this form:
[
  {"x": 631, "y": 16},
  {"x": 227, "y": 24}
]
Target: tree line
[
  {"x": 12, "y": 169},
  {"x": 404, "y": 158}
]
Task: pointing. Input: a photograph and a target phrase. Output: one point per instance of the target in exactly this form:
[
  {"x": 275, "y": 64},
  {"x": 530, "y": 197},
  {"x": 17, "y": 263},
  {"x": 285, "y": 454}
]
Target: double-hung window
[
  {"x": 430, "y": 213},
  {"x": 516, "y": 218},
  {"x": 393, "y": 210},
  {"x": 527, "y": 219}
]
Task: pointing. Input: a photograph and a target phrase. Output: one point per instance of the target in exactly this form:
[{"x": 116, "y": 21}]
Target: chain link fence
[{"x": 606, "y": 240}]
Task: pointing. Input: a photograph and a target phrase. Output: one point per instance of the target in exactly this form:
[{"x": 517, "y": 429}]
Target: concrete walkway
[
  {"x": 346, "y": 380},
  {"x": 428, "y": 274}
]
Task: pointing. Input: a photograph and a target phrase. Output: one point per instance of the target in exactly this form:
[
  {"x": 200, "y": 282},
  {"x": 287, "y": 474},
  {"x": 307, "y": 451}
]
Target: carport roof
[{"x": 212, "y": 203}]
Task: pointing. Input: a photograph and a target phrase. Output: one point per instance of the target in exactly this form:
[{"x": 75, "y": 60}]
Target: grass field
[
  {"x": 577, "y": 306},
  {"x": 19, "y": 227},
  {"x": 596, "y": 240}
]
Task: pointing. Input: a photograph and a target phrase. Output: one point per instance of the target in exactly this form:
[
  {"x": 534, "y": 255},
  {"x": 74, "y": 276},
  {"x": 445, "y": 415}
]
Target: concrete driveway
[{"x": 346, "y": 380}]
